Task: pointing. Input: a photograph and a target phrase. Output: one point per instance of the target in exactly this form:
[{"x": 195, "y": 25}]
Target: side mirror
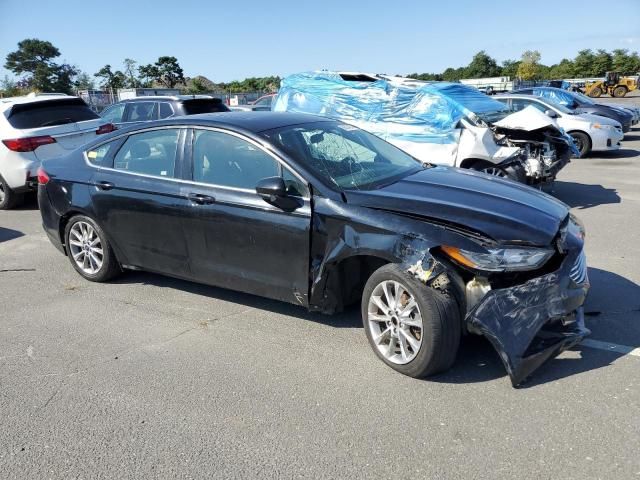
[
  {"x": 271, "y": 188},
  {"x": 551, "y": 113},
  {"x": 274, "y": 191}
]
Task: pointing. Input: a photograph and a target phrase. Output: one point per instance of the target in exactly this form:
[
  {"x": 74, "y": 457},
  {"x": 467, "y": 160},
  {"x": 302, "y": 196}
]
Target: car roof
[
  {"x": 147, "y": 98},
  {"x": 8, "y": 102},
  {"x": 522, "y": 95},
  {"x": 254, "y": 122}
]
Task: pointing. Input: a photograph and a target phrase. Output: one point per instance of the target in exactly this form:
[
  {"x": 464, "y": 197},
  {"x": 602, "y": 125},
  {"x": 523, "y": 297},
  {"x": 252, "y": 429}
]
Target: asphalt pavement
[{"x": 151, "y": 377}]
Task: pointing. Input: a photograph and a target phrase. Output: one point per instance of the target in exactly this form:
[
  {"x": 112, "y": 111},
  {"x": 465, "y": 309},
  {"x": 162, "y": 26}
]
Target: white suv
[{"x": 37, "y": 127}]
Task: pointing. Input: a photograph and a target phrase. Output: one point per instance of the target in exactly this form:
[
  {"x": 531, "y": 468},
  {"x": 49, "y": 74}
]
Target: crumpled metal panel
[
  {"x": 530, "y": 323},
  {"x": 524, "y": 322}
]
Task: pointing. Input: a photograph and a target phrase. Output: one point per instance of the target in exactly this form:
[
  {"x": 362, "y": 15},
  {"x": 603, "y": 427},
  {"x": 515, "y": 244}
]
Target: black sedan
[
  {"x": 581, "y": 104},
  {"x": 322, "y": 214}
]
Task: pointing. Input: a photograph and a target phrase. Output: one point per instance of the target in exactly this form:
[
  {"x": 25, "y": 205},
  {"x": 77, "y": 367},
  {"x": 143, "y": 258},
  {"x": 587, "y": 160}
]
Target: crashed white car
[
  {"x": 589, "y": 132},
  {"x": 436, "y": 122}
]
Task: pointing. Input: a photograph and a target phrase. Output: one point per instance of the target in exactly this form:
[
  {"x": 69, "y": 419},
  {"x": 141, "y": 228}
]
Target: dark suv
[{"x": 144, "y": 109}]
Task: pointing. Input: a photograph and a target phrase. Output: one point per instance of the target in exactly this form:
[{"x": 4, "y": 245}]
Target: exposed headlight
[{"x": 501, "y": 259}]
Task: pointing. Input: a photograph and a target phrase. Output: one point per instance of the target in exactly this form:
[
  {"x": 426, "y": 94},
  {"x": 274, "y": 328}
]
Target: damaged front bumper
[{"x": 535, "y": 321}]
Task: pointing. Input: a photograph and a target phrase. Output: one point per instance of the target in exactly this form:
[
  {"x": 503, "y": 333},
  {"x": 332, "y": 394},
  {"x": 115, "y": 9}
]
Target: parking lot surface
[{"x": 151, "y": 377}]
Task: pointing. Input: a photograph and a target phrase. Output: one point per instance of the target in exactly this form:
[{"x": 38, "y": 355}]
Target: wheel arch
[{"x": 74, "y": 212}]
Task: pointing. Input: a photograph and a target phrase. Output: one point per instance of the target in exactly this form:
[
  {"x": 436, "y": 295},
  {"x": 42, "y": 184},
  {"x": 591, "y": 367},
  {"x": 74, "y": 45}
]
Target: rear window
[
  {"x": 50, "y": 113},
  {"x": 204, "y": 105}
]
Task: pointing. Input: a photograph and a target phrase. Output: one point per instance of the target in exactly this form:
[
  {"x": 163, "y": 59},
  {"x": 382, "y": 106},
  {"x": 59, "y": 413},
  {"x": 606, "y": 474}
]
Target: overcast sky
[{"x": 233, "y": 40}]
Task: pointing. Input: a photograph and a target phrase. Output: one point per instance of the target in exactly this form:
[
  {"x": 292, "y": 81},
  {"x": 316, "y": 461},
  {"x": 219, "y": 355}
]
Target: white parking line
[{"x": 611, "y": 347}]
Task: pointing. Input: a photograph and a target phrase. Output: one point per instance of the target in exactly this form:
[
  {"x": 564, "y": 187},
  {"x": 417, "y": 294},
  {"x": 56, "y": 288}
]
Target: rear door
[
  {"x": 69, "y": 121},
  {"x": 235, "y": 238},
  {"x": 136, "y": 196}
]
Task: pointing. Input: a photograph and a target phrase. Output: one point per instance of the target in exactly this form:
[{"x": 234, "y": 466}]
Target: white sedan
[{"x": 590, "y": 132}]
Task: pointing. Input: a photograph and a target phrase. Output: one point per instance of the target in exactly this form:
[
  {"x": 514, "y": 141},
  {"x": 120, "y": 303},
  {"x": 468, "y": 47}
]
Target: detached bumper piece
[{"x": 531, "y": 323}]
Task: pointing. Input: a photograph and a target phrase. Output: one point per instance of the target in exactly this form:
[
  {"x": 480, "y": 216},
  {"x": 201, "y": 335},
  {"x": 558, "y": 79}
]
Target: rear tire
[
  {"x": 89, "y": 250},
  {"x": 620, "y": 91},
  {"x": 434, "y": 345},
  {"x": 8, "y": 198},
  {"x": 583, "y": 142}
]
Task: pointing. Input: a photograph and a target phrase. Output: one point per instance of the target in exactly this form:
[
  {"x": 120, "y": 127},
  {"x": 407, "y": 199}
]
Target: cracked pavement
[{"x": 150, "y": 377}]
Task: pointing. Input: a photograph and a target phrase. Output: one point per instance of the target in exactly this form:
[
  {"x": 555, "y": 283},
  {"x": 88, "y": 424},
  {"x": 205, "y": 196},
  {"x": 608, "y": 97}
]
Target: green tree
[
  {"x": 166, "y": 71},
  {"x": 510, "y": 68},
  {"x": 530, "y": 68},
  {"x": 602, "y": 62},
  {"x": 583, "y": 64},
  {"x": 84, "y": 81},
  {"x": 453, "y": 74},
  {"x": 130, "y": 72},
  {"x": 625, "y": 62},
  {"x": 564, "y": 69},
  {"x": 482, "y": 65},
  {"x": 9, "y": 87},
  {"x": 111, "y": 80},
  {"x": 34, "y": 58}
]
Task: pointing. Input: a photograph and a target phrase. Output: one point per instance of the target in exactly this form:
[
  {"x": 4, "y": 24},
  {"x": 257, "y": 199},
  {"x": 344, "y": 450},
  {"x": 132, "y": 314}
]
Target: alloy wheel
[
  {"x": 2, "y": 192},
  {"x": 86, "y": 247},
  {"x": 395, "y": 322},
  {"x": 498, "y": 172}
]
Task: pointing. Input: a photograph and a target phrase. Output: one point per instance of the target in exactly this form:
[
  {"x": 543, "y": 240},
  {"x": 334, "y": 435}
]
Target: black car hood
[
  {"x": 505, "y": 211},
  {"x": 605, "y": 111}
]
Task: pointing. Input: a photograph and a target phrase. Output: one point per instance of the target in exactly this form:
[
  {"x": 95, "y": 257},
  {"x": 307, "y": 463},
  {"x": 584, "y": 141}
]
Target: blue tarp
[
  {"x": 556, "y": 95},
  {"x": 400, "y": 110}
]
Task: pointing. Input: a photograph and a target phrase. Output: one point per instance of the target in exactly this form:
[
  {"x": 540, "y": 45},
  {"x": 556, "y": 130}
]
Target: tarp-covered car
[{"x": 436, "y": 122}]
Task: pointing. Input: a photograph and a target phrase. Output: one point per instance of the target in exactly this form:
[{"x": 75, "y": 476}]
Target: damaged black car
[{"x": 322, "y": 214}]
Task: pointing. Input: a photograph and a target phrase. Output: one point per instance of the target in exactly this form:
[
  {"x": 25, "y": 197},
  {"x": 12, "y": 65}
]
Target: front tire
[
  {"x": 8, "y": 198},
  {"x": 89, "y": 250},
  {"x": 595, "y": 92},
  {"x": 411, "y": 327},
  {"x": 583, "y": 142},
  {"x": 512, "y": 172}
]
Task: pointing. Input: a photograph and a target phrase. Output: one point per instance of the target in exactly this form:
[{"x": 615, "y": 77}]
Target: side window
[
  {"x": 150, "y": 153},
  {"x": 518, "y": 104},
  {"x": 166, "y": 110},
  {"x": 140, "y": 112},
  {"x": 114, "y": 113},
  {"x": 101, "y": 156},
  {"x": 229, "y": 161},
  {"x": 294, "y": 186}
]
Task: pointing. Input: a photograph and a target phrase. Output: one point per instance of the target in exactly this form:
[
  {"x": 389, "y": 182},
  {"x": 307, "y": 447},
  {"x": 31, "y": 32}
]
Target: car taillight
[
  {"x": 28, "y": 144},
  {"x": 43, "y": 177},
  {"x": 106, "y": 128}
]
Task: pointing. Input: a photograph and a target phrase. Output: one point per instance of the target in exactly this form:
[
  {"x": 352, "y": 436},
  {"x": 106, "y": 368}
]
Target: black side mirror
[
  {"x": 271, "y": 188},
  {"x": 550, "y": 113},
  {"x": 274, "y": 191}
]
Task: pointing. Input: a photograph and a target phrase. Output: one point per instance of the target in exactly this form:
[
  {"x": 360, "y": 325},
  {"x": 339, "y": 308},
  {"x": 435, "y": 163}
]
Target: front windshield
[
  {"x": 344, "y": 155},
  {"x": 581, "y": 98}
]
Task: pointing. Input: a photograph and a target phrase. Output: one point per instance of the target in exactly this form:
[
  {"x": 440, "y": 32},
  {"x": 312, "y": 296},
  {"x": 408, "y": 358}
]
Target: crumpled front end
[{"x": 534, "y": 321}]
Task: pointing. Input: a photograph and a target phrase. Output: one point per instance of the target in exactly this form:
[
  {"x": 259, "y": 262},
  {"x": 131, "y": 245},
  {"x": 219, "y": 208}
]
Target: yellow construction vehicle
[{"x": 613, "y": 84}]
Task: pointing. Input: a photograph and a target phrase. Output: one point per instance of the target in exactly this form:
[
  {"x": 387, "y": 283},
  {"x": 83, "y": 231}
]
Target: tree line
[
  {"x": 586, "y": 63},
  {"x": 35, "y": 63}
]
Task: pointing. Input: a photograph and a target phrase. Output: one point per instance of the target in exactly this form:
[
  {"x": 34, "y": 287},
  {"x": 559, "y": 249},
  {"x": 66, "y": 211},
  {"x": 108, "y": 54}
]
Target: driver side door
[{"x": 235, "y": 238}]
